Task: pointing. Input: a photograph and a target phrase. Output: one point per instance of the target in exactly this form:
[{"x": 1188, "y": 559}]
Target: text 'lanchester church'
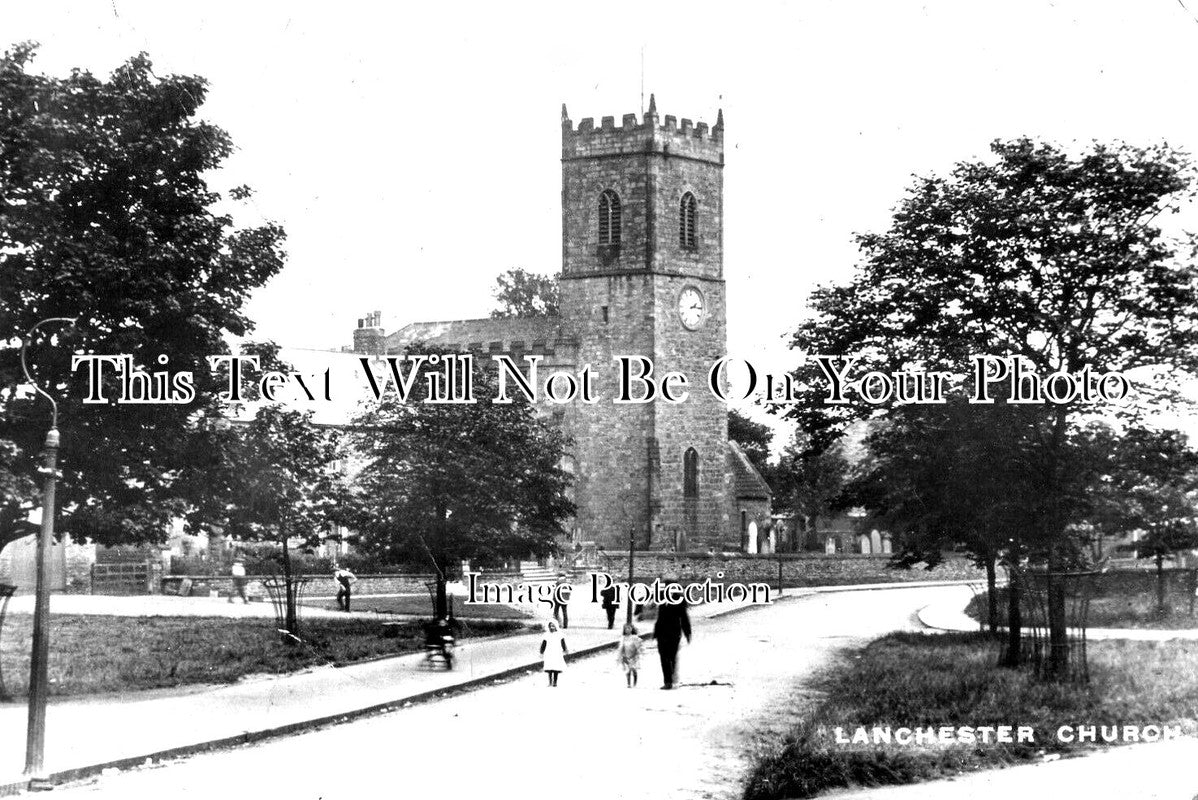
[{"x": 642, "y": 274}]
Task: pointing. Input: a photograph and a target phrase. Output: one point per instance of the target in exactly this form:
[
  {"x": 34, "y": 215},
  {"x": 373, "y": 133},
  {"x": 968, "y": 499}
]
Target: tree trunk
[
  {"x": 1192, "y": 589},
  {"x": 441, "y": 606},
  {"x": 992, "y": 594},
  {"x": 1014, "y": 624},
  {"x": 1160, "y": 584},
  {"x": 1058, "y": 631},
  {"x": 290, "y": 622}
]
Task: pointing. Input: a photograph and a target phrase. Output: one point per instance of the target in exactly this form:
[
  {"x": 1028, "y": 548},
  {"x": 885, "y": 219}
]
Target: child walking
[
  {"x": 553, "y": 650},
  {"x": 628, "y": 654}
]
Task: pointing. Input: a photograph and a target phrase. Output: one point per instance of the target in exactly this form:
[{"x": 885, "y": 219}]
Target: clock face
[{"x": 690, "y": 307}]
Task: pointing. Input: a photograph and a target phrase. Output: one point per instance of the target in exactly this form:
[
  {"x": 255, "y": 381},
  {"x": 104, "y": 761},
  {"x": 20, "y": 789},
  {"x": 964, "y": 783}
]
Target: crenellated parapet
[{"x": 650, "y": 133}]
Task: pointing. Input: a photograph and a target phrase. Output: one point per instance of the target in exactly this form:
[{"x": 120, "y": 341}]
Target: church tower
[{"x": 642, "y": 275}]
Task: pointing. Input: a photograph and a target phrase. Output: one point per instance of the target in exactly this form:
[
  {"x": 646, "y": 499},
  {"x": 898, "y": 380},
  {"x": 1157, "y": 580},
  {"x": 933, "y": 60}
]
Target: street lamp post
[{"x": 35, "y": 741}]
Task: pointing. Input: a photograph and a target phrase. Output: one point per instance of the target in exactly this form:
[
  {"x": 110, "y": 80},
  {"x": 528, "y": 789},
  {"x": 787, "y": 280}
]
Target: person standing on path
[
  {"x": 344, "y": 579},
  {"x": 628, "y": 654},
  {"x": 610, "y": 605},
  {"x": 237, "y": 571},
  {"x": 561, "y": 596},
  {"x": 553, "y": 651},
  {"x": 672, "y": 624}
]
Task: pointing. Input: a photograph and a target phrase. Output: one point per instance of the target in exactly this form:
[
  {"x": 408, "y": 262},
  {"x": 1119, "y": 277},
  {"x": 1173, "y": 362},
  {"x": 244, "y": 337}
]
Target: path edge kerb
[{"x": 250, "y": 737}]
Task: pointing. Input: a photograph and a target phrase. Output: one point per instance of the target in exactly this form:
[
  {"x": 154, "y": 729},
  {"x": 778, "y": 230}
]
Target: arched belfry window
[
  {"x": 687, "y": 231},
  {"x": 609, "y": 218},
  {"x": 690, "y": 473}
]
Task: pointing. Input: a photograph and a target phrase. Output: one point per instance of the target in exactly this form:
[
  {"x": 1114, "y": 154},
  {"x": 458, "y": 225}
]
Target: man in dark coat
[
  {"x": 672, "y": 624},
  {"x": 610, "y": 605}
]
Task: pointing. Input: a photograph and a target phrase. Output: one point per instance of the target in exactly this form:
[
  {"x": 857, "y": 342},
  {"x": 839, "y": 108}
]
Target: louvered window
[
  {"x": 690, "y": 473},
  {"x": 609, "y": 218},
  {"x": 687, "y": 237}
]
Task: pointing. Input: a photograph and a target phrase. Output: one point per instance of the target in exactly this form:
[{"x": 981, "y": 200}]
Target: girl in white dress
[{"x": 553, "y": 650}]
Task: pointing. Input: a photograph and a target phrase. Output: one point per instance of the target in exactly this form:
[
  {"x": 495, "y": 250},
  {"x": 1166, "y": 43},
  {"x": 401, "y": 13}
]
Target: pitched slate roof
[{"x": 747, "y": 481}]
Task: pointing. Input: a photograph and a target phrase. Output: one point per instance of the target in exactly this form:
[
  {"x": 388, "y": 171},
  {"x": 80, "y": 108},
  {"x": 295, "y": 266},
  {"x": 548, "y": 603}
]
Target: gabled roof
[
  {"x": 464, "y": 332},
  {"x": 747, "y": 481}
]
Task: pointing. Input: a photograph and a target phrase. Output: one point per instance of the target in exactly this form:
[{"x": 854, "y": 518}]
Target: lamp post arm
[{"x": 25, "y": 367}]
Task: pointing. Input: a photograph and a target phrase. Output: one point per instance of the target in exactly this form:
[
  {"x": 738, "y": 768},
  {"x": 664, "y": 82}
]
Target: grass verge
[
  {"x": 421, "y": 606},
  {"x": 92, "y": 654},
  {"x": 1120, "y": 600},
  {"x": 921, "y": 680}
]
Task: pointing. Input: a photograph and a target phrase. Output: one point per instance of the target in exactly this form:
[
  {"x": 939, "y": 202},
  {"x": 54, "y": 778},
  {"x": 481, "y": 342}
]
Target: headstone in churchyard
[{"x": 185, "y": 587}]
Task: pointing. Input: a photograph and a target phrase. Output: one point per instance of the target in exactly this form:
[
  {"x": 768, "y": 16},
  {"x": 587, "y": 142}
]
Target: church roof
[
  {"x": 747, "y": 481},
  {"x": 462, "y": 333}
]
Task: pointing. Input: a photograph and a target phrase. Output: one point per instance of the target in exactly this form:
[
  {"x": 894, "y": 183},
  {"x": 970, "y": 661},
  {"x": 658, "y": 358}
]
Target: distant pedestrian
[
  {"x": 561, "y": 596},
  {"x": 345, "y": 580},
  {"x": 553, "y": 651},
  {"x": 610, "y": 605},
  {"x": 237, "y": 571},
  {"x": 628, "y": 654},
  {"x": 672, "y": 624}
]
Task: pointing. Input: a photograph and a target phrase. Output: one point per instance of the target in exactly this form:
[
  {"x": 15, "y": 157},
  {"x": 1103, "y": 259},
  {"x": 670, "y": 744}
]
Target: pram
[{"x": 438, "y": 645}]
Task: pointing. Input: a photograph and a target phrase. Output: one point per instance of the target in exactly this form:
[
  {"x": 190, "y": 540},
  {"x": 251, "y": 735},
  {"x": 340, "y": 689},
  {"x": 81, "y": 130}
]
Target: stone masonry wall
[
  {"x": 798, "y": 569},
  {"x": 629, "y": 458},
  {"x": 701, "y": 422},
  {"x": 611, "y": 448}
]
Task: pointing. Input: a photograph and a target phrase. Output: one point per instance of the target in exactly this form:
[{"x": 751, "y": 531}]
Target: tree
[
  {"x": 1171, "y": 529},
  {"x": 448, "y": 482},
  {"x": 1148, "y": 482},
  {"x": 106, "y": 215},
  {"x": 944, "y": 477},
  {"x": 1054, "y": 258},
  {"x": 754, "y": 439},
  {"x": 16, "y": 491},
  {"x": 810, "y": 480},
  {"x": 279, "y": 483},
  {"x": 526, "y": 294}
]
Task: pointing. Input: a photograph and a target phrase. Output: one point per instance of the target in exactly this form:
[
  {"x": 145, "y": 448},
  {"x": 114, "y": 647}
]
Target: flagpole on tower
[{"x": 642, "y": 79}]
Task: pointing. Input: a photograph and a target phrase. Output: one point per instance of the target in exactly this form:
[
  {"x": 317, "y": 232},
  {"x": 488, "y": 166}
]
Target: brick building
[{"x": 642, "y": 275}]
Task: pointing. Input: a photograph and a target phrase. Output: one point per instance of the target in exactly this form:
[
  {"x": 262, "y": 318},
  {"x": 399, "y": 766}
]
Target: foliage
[
  {"x": 105, "y": 215},
  {"x": 16, "y": 490},
  {"x": 1054, "y": 258},
  {"x": 281, "y": 484},
  {"x": 447, "y": 482},
  {"x": 283, "y": 481},
  {"x": 945, "y": 476},
  {"x": 810, "y": 481},
  {"x": 526, "y": 294},
  {"x": 753, "y": 437},
  {"x": 1145, "y": 478},
  {"x": 1035, "y": 254}
]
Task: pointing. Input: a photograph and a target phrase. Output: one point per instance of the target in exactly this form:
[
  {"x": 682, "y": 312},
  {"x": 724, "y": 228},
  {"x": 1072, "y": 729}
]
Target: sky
[{"x": 412, "y": 154}]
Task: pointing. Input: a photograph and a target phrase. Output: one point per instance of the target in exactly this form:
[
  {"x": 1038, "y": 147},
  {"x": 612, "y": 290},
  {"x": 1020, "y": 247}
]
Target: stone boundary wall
[
  {"x": 798, "y": 569},
  {"x": 318, "y": 586}
]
